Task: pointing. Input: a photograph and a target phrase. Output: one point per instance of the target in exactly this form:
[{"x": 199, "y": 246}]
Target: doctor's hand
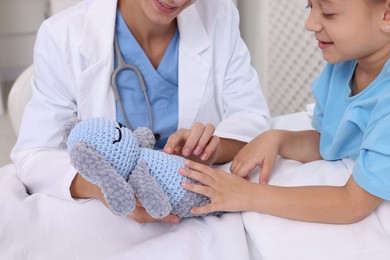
[
  {"x": 141, "y": 216},
  {"x": 198, "y": 144},
  {"x": 82, "y": 189}
]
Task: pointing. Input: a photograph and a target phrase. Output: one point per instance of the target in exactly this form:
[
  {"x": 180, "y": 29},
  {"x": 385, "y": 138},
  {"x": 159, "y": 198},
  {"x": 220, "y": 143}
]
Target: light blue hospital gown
[
  {"x": 162, "y": 85},
  {"x": 356, "y": 127}
]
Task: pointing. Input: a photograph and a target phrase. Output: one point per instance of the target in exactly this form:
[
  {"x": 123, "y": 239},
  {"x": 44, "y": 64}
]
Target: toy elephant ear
[
  {"x": 144, "y": 137},
  {"x": 68, "y": 127}
]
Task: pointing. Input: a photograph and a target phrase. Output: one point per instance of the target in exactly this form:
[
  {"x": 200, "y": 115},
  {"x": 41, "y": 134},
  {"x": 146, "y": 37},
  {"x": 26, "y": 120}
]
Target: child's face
[{"x": 348, "y": 29}]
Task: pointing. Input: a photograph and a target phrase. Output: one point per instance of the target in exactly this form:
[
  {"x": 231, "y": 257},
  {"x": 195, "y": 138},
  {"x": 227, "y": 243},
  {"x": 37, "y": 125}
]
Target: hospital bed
[{"x": 41, "y": 227}]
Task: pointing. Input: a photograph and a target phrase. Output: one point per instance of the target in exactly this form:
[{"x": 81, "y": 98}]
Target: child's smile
[{"x": 324, "y": 45}]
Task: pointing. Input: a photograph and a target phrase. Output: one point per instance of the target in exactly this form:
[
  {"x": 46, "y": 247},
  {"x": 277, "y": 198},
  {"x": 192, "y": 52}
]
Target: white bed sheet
[
  {"x": 273, "y": 238},
  {"x": 41, "y": 227}
]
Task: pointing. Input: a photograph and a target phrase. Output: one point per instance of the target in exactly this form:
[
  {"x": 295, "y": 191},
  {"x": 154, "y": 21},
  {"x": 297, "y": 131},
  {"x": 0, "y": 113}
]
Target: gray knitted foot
[
  {"x": 189, "y": 201},
  {"x": 93, "y": 167},
  {"x": 149, "y": 192}
]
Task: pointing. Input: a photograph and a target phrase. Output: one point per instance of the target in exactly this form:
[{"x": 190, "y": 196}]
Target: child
[{"x": 351, "y": 119}]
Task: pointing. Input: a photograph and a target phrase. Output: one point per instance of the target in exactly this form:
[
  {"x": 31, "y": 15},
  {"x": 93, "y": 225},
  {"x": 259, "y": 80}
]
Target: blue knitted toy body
[
  {"x": 161, "y": 166},
  {"x": 108, "y": 154}
]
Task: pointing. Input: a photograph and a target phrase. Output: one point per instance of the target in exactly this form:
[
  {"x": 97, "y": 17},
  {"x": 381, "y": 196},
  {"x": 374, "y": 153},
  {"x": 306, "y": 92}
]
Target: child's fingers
[
  {"x": 265, "y": 172},
  {"x": 208, "y": 208},
  {"x": 204, "y": 179},
  {"x": 197, "y": 188},
  {"x": 264, "y": 177},
  {"x": 202, "y": 190},
  {"x": 198, "y": 167},
  {"x": 244, "y": 169},
  {"x": 235, "y": 166}
]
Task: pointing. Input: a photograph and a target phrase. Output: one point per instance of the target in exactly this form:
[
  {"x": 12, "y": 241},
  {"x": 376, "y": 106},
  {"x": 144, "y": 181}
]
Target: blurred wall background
[
  {"x": 281, "y": 49},
  {"x": 19, "y": 21}
]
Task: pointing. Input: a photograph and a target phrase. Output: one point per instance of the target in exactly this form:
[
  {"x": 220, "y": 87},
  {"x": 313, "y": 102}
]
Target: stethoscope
[{"x": 122, "y": 65}]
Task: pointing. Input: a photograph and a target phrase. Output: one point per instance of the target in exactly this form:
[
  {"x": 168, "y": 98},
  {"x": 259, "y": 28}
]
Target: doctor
[{"x": 202, "y": 97}]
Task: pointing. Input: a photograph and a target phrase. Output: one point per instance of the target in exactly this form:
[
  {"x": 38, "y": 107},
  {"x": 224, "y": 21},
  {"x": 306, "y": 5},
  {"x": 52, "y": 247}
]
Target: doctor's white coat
[{"x": 73, "y": 62}]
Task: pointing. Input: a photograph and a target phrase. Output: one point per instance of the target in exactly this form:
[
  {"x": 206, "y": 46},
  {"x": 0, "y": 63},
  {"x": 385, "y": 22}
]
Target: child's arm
[
  {"x": 325, "y": 204},
  {"x": 262, "y": 151}
]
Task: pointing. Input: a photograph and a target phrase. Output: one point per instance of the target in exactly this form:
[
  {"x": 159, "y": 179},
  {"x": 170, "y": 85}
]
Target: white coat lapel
[
  {"x": 96, "y": 96},
  {"x": 194, "y": 70}
]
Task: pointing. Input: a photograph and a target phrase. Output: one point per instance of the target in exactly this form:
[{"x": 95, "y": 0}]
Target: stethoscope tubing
[{"x": 121, "y": 66}]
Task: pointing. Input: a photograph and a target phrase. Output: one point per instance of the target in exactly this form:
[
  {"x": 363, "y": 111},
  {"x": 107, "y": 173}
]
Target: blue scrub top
[{"x": 161, "y": 84}]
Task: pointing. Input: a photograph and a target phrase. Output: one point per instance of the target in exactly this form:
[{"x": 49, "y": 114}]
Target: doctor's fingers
[
  {"x": 141, "y": 216},
  {"x": 209, "y": 154},
  {"x": 176, "y": 141},
  {"x": 198, "y": 138}
]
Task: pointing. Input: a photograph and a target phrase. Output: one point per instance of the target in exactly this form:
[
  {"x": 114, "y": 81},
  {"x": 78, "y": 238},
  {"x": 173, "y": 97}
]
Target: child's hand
[
  {"x": 261, "y": 151},
  {"x": 198, "y": 144},
  {"x": 227, "y": 192}
]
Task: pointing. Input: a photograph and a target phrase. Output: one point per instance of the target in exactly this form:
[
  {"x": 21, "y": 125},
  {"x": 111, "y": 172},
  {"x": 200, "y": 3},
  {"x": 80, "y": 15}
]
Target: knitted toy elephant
[{"x": 125, "y": 167}]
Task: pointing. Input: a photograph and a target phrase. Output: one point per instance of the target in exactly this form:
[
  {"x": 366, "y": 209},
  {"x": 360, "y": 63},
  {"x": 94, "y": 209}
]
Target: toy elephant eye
[
  {"x": 120, "y": 136},
  {"x": 120, "y": 125}
]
